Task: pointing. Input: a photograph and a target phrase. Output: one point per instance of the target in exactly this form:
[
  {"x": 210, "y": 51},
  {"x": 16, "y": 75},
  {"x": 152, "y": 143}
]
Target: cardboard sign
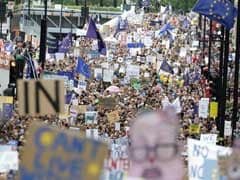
[
  {"x": 194, "y": 129},
  {"x": 203, "y": 108},
  {"x": 213, "y": 110},
  {"x": 41, "y": 97},
  {"x": 113, "y": 116},
  {"x": 209, "y": 138},
  {"x": 108, "y": 103},
  {"x": 202, "y": 159},
  {"x": 6, "y": 99},
  {"x": 82, "y": 109},
  {"x": 51, "y": 153}
]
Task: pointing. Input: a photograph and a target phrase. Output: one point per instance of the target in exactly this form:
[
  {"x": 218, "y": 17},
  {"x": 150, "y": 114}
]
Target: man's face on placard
[{"x": 154, "y": 150}]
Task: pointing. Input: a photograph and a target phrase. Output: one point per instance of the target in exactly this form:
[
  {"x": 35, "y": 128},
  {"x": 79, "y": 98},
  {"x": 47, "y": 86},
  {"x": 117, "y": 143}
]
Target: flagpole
[
  {"x": 224, "y": 84},
  {"x": 236, "y": 78},
  {"x": 210, "y": 50},
  {"x": 220, "y": 77},
  {"x": 204, "y": 34},
  {"x": 43, "y": 39},
  {"x": 60, "y": 20}
]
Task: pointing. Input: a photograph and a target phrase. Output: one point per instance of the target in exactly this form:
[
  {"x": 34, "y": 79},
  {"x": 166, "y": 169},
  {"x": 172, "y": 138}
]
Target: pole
[
  {"x": 43, "y": 39},
  {"x": 29, "y": 8},
  {"x": 200, "y": 29},
  {"x": 1, "y": 18},
  {"x": 60, "y": 21},
  {"x": 224, "y": 83},
  {"x": 210, "y": 50},
  {"x": 236, "y": 78},
  {"x": 219, "y": 98},
  {"x": 204, "y": 34}
]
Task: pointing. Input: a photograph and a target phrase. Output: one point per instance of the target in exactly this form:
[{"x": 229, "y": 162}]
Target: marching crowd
[{"x": 153, "y": 89}]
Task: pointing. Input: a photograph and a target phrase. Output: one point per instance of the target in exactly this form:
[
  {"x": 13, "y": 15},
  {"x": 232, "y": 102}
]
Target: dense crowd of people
[{"x": 152, "y": 90}]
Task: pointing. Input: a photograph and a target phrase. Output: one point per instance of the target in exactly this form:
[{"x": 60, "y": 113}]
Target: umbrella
[
  {"x": 113, "y": 89},
  {"x": 157, "y": 88}
]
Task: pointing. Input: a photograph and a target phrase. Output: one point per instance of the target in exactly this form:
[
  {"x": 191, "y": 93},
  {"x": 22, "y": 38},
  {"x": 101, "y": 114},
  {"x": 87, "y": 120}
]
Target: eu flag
[
  {"x": 93, "y": 32},
  {"x": 83, "y": 68},
  {"x": 66, "y": 44},
  {"x": 221, "y": 11},
  {"x": 166, "y": 67}
]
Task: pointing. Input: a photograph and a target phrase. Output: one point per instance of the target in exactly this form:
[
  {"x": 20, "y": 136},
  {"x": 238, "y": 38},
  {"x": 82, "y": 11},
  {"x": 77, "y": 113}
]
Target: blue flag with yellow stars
[{"x": 221, "y": 11}]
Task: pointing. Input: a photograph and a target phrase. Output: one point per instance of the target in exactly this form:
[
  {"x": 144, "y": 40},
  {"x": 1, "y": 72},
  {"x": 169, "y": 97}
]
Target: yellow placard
[
  {"x": 213, "y": 109},
  {"x": 194, "y": 129},
  {"x": 6, "y": 99}
]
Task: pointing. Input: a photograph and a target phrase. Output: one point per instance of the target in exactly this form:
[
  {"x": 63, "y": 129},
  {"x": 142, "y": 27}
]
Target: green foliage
[{"x": 185, "y": 5}]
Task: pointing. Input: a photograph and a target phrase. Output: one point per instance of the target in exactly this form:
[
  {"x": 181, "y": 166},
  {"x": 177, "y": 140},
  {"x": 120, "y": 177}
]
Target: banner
[
  {"x": 209, "y": 138},
  {"x": 51, "y": 153},
  {"x": 202, "y": 159}
]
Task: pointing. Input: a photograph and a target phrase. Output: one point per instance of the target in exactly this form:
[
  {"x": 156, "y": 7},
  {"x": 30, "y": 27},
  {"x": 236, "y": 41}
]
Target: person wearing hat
[{"x": 19, "y": 57}]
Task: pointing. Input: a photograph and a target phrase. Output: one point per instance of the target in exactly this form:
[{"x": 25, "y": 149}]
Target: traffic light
[{"x": 12, "y": 72}]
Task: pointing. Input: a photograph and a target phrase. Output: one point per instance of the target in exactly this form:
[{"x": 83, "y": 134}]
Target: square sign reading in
[{"x": 41, "y": 97}]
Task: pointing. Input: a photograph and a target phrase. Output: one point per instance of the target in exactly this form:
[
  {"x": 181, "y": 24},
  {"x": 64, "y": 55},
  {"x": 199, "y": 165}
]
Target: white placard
[
  {"x": 133, "y": 71},
  {"x": 209, "y": 138},
  {"x": 200, "y": 155},
  {"x": 183, "y": 52},
  {"x": 228, "y": 128},
  {"x": 8, "y": 161},
  {"x": 203, "y": 107},
  {"x": 108, "y": 75}
]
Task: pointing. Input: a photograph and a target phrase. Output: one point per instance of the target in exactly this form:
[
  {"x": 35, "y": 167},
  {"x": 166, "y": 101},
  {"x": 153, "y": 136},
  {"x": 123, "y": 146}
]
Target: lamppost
[{"x": 43, "y": 39}]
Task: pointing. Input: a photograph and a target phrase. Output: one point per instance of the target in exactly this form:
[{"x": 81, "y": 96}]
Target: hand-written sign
[
  {"x": 113, "y": 116},
  {"x": 41, "y": 97},
  {"x": 108, "y": 103},
  {"x": 51, "y": 153}
]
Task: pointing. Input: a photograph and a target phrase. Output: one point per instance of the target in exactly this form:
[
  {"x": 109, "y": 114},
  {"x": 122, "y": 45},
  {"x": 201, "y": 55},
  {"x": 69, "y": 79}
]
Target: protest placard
[
  {"x": 203, "y": 107},
  {"x": 82, "y": 109},
  {"x": 202, "y": 159},
  {"x": 228, "y": 128},
  {"x": 108, "y": 75},
  {"x": 51, "y": 153},
  {"x": 113, "y": 116},
  {"x": 8, "y": 161},
  {"x": 91, "y": 117},
  {"x": 92, "y": 134},
  {"x": 108, "y": 103},
  {"x": 98, "y": 73},
  {"x": 6, "y": 107},
  {"x": 209, "y": 138},
  {"x": 213, "y": 110},
  {"x": 133, "y": 71},
  {"x": 194, "y": 129},
  {"x": 40, "y": 97}
]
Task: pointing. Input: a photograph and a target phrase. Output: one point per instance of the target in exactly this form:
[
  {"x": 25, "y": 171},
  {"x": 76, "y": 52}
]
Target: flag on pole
[
  {"x": 221, "y": 11},
  {"x": 93, "y": 32},
  {"x": 65, "y": 44},
  {"x": 166, "y": 67},
  {"x": 83, "y": 68}
]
